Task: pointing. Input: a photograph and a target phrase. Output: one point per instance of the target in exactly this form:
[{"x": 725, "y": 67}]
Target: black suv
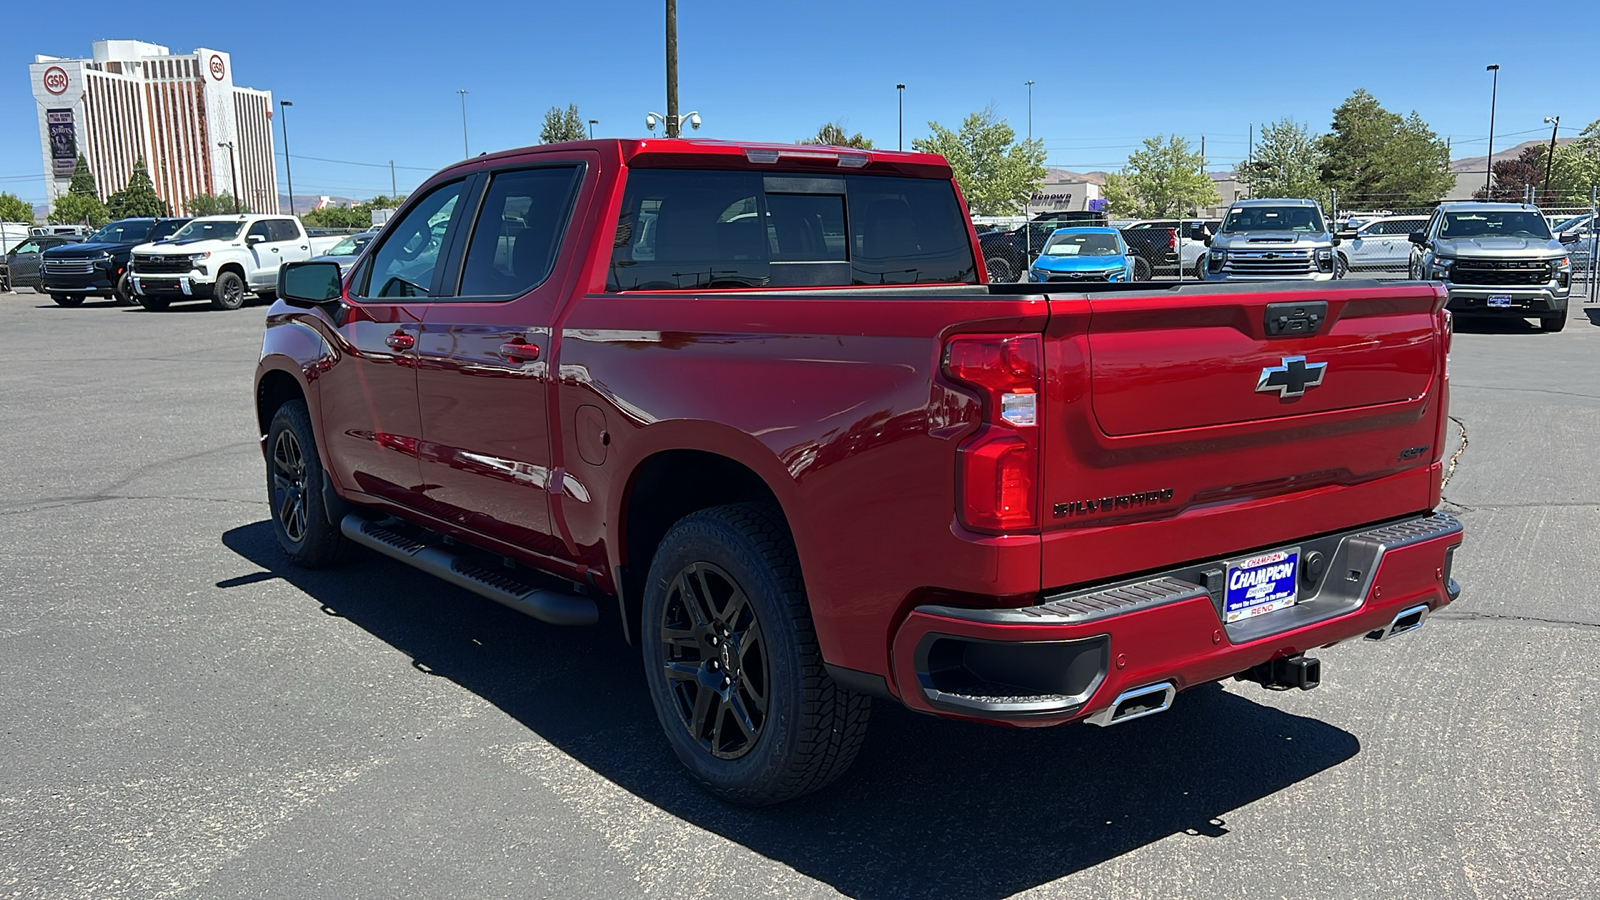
[{"x": 98, "y": 267}]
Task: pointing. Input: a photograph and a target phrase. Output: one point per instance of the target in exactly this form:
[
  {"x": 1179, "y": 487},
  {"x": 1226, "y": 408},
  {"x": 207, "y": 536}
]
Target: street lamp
[
  {"x": 1488, "y": 180},
  {"x": 464, "y": 151},
  {"x": 901, "y": 145},
  {"x": 1030, "y": 109},
  {"x": 1549, "y": 159},
  {"x": 592, "y": 124},
  {"x": 284, "y": 105},
  {"x": 233, "y": 174},
  {"x": 674, "y": 123}
]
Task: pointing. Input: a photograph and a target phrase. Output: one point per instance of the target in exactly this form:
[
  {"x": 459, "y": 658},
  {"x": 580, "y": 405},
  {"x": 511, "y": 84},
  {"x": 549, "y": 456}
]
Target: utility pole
[
  {"x": 464, "y": 151},
  {"x": 1494, "y": 93},
  {"x": 1550, "y": 158},
  {"x": 394, "y": 193},
  {"x": 284, "y": 106},
  {"x": 672, "y": 68},
  {"x": 901, "y": 144},
  {"x": 1250, "y": 158}
]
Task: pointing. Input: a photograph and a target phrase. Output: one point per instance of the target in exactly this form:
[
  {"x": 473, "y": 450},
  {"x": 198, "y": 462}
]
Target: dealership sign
[{"x": 63, "y": 141}]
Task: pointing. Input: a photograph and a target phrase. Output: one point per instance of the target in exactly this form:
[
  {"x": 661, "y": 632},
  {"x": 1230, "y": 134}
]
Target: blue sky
[{"x": 371, "y": 86}]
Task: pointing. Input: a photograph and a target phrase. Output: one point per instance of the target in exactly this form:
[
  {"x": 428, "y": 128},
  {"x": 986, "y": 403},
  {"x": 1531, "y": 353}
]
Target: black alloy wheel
[
  {"x": 294, "y": 489},
  {"x": 715, "y": 660},
  {"x": 228, "y": 292},
  {"x": 731, "y": 659}
]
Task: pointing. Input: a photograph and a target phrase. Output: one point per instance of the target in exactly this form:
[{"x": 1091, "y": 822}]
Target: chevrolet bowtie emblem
[{"x": 1293, "y": 378}]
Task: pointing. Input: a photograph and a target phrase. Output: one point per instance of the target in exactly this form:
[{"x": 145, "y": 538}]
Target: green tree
[
  {"x": 214, "y": 205},
  {"x": 997, "y": 172},
  {"x": 138, "y": 198},
  {"x": 1160, "y": 181},
  {"x": 1377, "y": 158},
  {"x": 1576, "y": 169},
  {"x": 79, "y": 209},
  {"x": 562, "y": 126},
  {"x": 1286, "y": 163},
  {"x": 15, "y": 209},
  {"x": 833, "y": 134},
  {"x": 338, "y": 217},
  {"x": 82, "y": 179},
  {"x": 384, "y": 202}
]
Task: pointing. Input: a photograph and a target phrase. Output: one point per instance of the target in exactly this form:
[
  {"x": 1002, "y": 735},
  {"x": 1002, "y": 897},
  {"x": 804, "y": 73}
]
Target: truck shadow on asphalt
[{"x": 930, "y": 808}]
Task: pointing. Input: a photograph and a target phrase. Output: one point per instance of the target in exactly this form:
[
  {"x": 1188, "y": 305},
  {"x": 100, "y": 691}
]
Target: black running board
[{"x": 554, "y": 607}]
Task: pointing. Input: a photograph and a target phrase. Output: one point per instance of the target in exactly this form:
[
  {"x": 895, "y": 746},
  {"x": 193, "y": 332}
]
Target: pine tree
[
  {"x": 83, "y": 180},
  {"x": 139, "y": 198},
  {"x": 562, "y": 126},
  {"x": 834, "y": 135}
]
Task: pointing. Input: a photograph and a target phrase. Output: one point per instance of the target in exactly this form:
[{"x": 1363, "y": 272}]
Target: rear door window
[
  {"x": 282, "y": 230},
  {"x": 519, "y": 227},
  {"x": 689, "y": 229}
]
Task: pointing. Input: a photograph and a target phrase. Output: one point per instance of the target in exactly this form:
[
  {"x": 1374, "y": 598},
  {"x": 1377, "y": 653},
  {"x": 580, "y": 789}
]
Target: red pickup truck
[{"x": 759, "y": 405}]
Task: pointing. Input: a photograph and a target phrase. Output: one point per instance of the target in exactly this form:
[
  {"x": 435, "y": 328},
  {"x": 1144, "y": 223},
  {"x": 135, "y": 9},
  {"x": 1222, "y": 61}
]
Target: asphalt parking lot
[{"x": 181, "y": 714}]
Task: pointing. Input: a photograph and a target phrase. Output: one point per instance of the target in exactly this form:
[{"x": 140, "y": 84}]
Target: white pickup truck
[{"x": 223, "y": 259}]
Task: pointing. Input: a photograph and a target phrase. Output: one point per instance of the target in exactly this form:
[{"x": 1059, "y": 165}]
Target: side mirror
[
  {"x": 309, "y": 284},
  {"x": 1207, "y": 239},
  {"x": 1345, "y": 235},
  {"x": 1570, "y": 237},
  {"x": 1417, "y": 237},
  {"x": 254, "y": 238}
]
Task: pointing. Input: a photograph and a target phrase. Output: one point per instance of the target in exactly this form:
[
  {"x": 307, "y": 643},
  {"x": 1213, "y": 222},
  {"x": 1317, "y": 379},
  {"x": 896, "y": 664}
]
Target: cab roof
[{"x": 687, "y": 152}]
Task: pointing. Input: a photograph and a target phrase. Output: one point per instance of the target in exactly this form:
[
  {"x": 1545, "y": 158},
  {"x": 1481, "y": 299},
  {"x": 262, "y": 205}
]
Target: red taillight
[
  {"x": 997, "y": 469},
  {"x": 1172, "y": 240}
]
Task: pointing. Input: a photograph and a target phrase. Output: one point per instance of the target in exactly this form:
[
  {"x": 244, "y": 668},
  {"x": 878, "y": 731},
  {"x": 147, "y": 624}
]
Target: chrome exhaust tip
[
  {"x": 1409, "y": 619},
  {"x": 1136, "y": 704}
]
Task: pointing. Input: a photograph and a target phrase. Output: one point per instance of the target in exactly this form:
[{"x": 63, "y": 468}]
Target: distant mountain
[{"x": 1481, "y": 163}]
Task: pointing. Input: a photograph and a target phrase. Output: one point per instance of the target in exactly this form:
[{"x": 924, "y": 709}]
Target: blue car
[{"x": 1083, "y": 254}]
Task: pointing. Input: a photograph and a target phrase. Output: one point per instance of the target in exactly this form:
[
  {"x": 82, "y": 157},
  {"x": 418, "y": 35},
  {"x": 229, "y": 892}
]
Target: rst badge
[{"x": 1261, "y": 584}]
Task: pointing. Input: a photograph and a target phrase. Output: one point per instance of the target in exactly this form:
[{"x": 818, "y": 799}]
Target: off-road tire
[
  {"x": 67, "y": 299},
  {"x": 295, "y": 480},
  {"x": 1000, "y": 270},
  {"x": 812, "y": 727},
  {"x": 1341, "y": 266},
  {"x": 1552, "y": 324},
  {"x": 1141, "y": 269},
  {"x": 228, "y": 292}
]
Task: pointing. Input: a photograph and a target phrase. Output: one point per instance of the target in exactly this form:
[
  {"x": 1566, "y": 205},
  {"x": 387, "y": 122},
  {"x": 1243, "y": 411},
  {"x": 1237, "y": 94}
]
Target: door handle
[
  {"x": 517, "y": 351},
  {"x": 400, "y": 341}
]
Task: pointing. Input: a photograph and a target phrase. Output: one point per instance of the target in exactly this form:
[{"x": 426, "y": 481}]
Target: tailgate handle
[{"x": 1296, "y": 318}]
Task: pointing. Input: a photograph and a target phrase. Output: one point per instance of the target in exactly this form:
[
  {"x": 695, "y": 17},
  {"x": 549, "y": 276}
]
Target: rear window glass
[{"x": 688, "y": 229}]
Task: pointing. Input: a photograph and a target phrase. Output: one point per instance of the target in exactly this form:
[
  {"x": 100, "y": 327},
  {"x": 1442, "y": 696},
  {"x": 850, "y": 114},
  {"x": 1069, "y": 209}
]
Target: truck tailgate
[{"x": 1178, "y": 428}]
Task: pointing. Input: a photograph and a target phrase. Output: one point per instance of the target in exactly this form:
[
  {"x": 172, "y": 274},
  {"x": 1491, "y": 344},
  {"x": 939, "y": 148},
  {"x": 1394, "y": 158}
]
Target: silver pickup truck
[
  {"x": 1272, "y": 240},
  {"x": 1496, "y": 259}
]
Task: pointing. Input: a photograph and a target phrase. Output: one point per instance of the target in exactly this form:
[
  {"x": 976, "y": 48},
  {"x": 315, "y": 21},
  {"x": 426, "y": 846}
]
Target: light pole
[
  {"x": 1030, "y": 109},
  {"x": 465, "y": 152},
  {"x": 233, "y": 174},
  {"x": 1550, "y": 158},
  {"x": 1494, "y": 92},
  {"x": 284, "y": 107},
  {"x": 901, "y": 144},
  {"x": 592, "y": 124}
]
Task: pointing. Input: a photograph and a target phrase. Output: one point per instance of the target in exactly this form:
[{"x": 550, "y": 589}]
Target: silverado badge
[{"x": 1293, "y": 378}]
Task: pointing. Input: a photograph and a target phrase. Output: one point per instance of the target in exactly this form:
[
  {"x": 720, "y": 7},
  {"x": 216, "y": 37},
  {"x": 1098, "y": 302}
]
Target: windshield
[
  {"x": 1495, "y": 224},
  {"x": 128, "y": 231},
  {"x": 1298, "y": 219},
  {"x": 351, "y": 245},
  {"x": 1091, "y": 244},
  {"x": 209, "y": 231}
]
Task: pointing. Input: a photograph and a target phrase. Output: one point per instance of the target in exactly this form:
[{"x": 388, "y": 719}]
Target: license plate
[
  {"x": 1262, "y": 584},
  {"x": 1500, "y": 300}
]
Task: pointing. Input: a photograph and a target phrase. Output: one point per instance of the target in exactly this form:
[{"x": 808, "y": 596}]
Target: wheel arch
[{"x": 661, "y": 489}]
